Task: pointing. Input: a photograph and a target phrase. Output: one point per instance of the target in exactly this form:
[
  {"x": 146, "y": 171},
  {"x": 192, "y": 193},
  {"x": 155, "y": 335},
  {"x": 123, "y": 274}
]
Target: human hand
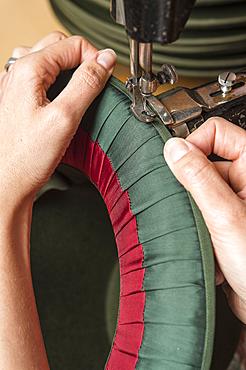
[
  {"x": 36, "y": 132},
  {"x": 219, "y": 189}
]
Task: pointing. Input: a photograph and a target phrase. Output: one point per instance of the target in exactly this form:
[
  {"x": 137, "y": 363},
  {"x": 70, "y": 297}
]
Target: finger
[
  {"x": 50, "y": 39},
  {"x": 223, "y": 167},
  {"x": 39, "y": 70},
  {"x": 228, "y": 141},
  {"x": 220, "y": 137},
  {"x": 86, "y": 83},
  {"x": 214, "y": 197},
  {"x": 237, "y": 174},
  {"x": 20, "y": 51}
]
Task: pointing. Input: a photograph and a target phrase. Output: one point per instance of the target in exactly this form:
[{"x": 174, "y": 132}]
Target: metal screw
[
  {"x": 167, "y": 74},
  {"x": 226, "y": 81}
]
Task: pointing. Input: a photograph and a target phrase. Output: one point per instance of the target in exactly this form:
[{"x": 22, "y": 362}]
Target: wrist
[
  {"x": 12, "y": 207},
  {"x": 15, "y": 224},
  {"x": 17, "y": 304}
]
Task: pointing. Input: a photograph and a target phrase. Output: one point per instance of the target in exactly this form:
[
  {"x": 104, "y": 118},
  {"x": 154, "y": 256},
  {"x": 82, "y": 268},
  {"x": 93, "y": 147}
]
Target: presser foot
[{"x": 139, "y": 103}]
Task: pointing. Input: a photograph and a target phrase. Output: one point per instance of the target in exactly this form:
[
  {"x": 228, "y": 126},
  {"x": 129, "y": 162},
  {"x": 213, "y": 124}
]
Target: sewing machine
[{"x": 181, "y": 109}]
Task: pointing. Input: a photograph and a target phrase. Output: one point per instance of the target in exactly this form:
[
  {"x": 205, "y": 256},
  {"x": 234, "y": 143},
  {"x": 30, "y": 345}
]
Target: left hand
[{"x": 36, "y": 132}]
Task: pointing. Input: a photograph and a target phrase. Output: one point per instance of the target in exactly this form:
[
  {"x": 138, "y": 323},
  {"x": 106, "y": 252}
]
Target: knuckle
[
  {"x": 77, "y": 38},
  {"x": 25, "y": 67},
  {"x": 82, "y": 46},
  {"x": 219, "y": 123},
  {"x": 19, "y": 52},
  {"x": 81, "y": 43},
  {"x": 16, "y": 51},
  {"x": 214, "y": 120},
  {"x": 57, "y": 35},
  {"x": 92, "y": 76}
]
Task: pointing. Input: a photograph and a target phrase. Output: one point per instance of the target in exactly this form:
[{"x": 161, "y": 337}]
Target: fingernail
[
  {"x": 175, "y": 149},
  {"x": 106, "y": 58}
]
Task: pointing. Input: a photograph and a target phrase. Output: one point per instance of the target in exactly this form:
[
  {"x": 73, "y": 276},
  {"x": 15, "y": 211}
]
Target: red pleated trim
[{"x": 88, "y": 157}]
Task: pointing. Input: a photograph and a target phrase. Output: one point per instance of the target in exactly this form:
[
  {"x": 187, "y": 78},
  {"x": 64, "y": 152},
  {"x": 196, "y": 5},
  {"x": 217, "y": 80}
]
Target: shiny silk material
[
  {"x": 162, "y": 321},
  {"x": 167, "y": 292}
]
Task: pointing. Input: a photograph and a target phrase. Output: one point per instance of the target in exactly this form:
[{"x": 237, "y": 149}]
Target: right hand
[
  {"x": 37, "y": 131},
  {"x": 219, "y": 189}
]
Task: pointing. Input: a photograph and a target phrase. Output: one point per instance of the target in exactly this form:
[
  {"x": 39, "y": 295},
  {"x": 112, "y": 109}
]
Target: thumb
[
  {"x": 198, "y": 175},
  {"x": 86, "y": 83}
]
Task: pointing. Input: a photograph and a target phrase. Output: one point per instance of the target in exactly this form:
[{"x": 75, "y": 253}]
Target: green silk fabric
[
  {"x": 179, "y": 312},
  {"x": 179, "y": 278}
]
